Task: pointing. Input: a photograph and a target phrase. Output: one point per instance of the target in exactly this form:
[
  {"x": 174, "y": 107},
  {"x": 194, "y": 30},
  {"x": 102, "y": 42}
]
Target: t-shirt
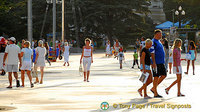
[
  {"x": 27, "y": 54},
  {"x": 135, "y": 55},
  {"x": 158, "y": 49},
  {"x": 177, "y": 52},
  {"x": 147, "y": 56},
  {"x": 121, "y": 55},
  {"x": 142, "y": 44},
  {"x": 13, "y": 51},
  {"x": 41, "y": 51}
]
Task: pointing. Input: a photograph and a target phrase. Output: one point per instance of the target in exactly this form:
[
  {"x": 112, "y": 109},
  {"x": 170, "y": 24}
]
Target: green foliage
[
  {"x": 191, "y": 8},
  {"x": 114, "y": 18}
]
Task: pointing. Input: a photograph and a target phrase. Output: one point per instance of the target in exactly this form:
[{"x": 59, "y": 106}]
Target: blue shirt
[
  {"x": 34, "y": 55},
  {"x": 158, "y": 49},
  {"x": 27, "y": 54}
]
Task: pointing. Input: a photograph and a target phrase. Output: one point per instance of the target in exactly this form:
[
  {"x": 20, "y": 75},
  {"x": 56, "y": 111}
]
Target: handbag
[
  {"x": 143, "y": 78},
  {"x": 188, "y": 56},
  {"x": 34, "y": 74},
  {"x": 80, "y": 69}
]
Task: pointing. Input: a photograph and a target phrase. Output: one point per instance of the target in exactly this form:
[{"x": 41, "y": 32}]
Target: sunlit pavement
[{"x": 64, "y": 89}]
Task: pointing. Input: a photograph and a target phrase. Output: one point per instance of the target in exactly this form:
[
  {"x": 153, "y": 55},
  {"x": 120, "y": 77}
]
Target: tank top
[{"x": 87, "y": 52}]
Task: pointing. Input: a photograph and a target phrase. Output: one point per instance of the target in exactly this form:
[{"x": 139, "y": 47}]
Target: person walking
[
  {"x": 12, "y": 52},
  {"x": 158, "y": 58},
  {"x": 177, "y": 69},
  {"x": 192, "y": 50},
  {"x": 135, "y": 59},
  {"x": 66, "y": 53},
  {"x": 121, "y": 56},
  {"x": 27, "y": 55},
  {"x": 108, "y": 49},
  {"x": 40, "y": 60},
  {"x": 46, "y": 45},
  {"x": 166, "y": 49},
  {"x": 87, "y": 57},
  {"x": 145, "y": 67},
  {"x": 2, "y": 52}
]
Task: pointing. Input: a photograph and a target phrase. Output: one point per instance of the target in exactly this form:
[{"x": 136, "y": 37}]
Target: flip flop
[
  {"x": 140, "y": 93},
  {"x": 167, "y": 91}
]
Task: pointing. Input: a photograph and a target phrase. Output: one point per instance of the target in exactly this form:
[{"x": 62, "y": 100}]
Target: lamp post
[
  {"x": 180, "y": 12},
  {"x": 30, "y": 24}
]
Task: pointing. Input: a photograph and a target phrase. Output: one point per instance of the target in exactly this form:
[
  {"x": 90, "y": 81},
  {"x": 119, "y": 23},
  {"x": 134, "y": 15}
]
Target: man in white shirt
[{"x": 12, "y": 52}]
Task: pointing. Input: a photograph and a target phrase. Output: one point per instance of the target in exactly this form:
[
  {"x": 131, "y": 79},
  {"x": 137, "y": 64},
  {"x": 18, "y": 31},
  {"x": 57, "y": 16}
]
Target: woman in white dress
[
  {"x": 40, "y": 60},
  {"x": 108, "y": 49},
  {"x": 87, "y": 56},
  {"x": 66, "y": 54}
]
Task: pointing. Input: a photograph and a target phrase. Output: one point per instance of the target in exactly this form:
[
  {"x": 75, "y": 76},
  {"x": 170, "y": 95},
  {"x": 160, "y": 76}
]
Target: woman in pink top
[{"x": 176, "y": 66}]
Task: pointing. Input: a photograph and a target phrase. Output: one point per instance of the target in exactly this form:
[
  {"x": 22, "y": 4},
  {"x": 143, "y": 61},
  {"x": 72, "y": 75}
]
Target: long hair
[
  {"x": 46, "y": 45},
  {"x": 166, "y": 45},
  {"x": 192, "y": 44},
  {"x": 176, "y": 42}
]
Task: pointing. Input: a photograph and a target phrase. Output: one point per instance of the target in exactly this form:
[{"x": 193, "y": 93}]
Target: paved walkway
[{"x": 64, "y": 90}]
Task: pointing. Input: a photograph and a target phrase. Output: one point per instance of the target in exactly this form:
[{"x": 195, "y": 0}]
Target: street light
[
  {"x": 180, "y": 12},
  {"x": 54, "y": 18}
]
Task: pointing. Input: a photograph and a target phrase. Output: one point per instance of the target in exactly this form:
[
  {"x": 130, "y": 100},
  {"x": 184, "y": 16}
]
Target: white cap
[{"x": 12, "y": 39}]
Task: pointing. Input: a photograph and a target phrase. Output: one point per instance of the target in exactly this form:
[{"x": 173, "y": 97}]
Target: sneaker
[
  {"x": 132, "y": 66},
  {"x": 18, "y": 83}
]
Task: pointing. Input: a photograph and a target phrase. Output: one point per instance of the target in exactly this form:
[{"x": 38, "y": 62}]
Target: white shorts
[
  {"x": 179, "y": 68},
  {"x": 170, "y": 60},
  {"x": 26, "y": 65},
  {"x": 12, "y": 68},
  {"x": 86, "y": 64}
]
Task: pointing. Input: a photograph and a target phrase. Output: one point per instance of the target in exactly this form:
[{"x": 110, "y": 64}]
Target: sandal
[
  {"x": 32, "y": 85},
  {"x": 147, "y": 97},
  {"x": 166, "y": 91},
  {"x": 152, "y": 91},
  {"x": 181, "y": 95},
  {"x": 140, "y": 92},
  {"x": 9, "y": 87},
  {"x": 36, "y": 82}
]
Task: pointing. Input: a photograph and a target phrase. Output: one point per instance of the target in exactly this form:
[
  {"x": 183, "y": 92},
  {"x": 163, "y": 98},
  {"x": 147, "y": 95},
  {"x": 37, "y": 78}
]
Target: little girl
[
  {"x": 170, "y": 60},
  {"x": 176, "y": 67}
]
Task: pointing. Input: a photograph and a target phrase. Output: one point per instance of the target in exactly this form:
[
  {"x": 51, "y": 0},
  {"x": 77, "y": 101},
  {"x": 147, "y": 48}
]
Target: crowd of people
[
  {"x": 155, "y": 56},
  {"x": 21, "y": 56}
]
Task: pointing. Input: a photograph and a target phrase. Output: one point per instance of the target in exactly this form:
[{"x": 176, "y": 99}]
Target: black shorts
[{"x": 161, "y": 70}]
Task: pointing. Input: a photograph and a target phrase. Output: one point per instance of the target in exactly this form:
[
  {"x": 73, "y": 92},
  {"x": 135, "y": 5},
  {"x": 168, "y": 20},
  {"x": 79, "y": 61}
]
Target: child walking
[
  {"x": 176, "y": 67},
  {"x": 145, "y": 67},
  {"x": 135, "y": 59},
  {"x": 121, "y": 56},
  {"x": 66, "y": 53}
]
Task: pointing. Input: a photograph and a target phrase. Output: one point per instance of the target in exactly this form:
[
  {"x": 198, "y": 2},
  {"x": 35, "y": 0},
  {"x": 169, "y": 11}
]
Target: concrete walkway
[{"x": 64, "y": 90}]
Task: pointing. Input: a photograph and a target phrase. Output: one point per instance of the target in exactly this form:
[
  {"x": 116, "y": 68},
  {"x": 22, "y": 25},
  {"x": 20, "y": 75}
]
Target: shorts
[
  {"x": 161, "y": 70},
  {"x": 120, "y": 61},
  {"x": 179, "y": 69},
  {"x": 147, "y": 67},
  {"x": 26, "y": 65},
  {"x": 86, "y": 64},
  {"x": 12, "y": 68},
  {"x": 170, "y": 60}
]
